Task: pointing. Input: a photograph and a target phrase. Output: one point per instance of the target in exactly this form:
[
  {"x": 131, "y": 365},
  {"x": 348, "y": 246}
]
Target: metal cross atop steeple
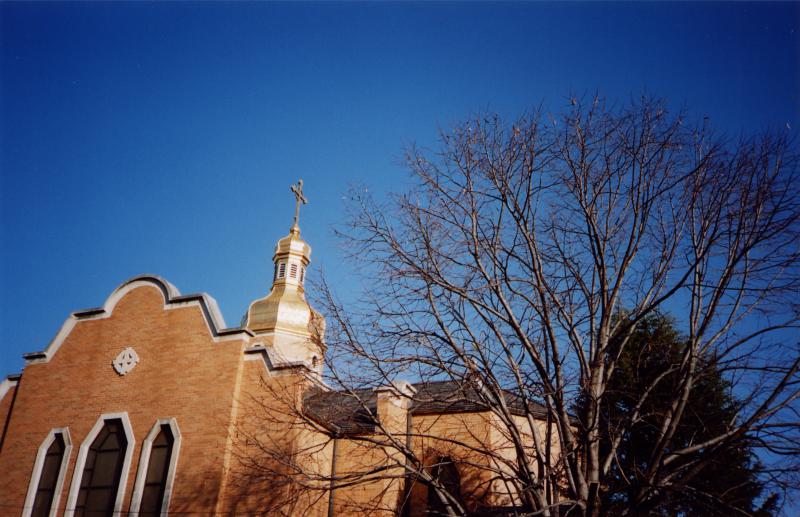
[{"x": 299, "y": 198}]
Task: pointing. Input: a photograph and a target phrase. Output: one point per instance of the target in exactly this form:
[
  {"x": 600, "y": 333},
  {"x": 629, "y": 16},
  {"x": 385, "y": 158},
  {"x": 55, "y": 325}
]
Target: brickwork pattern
[{"x": 182, "y": 373}]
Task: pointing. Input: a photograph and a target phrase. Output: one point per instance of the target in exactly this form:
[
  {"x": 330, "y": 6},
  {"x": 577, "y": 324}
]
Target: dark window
[
  {"x": 102, "y": 471},
  {"x": 446, "y": 474},
  {"x": 293, "y": 271},
  {"x": 155, "y": 482},
  {"x": 49, "y": 477},
  {"x": 281, "y": 269}
]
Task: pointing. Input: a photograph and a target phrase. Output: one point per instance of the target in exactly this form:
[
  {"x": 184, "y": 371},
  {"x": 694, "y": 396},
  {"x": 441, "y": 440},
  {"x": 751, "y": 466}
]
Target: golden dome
[
  {"x": 293, "y": 330},
  {"x": 285, "y": 308}
]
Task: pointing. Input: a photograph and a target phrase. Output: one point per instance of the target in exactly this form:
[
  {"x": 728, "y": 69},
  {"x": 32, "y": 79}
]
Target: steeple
[{"x": 284, "y": 317}]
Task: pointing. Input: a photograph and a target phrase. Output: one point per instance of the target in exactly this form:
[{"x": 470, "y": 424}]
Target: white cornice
[
  {"x": 172, "y": 300},
  {"x": 6, "y": 386}
]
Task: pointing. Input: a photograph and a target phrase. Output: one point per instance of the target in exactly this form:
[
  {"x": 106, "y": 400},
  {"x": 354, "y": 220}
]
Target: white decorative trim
[
  {"x": 144, "y": 462},
  {"x": 272, "y": 365},
  {"x": 37, "y": 471},
  {"x": 125, "y": 361},
  {"x": 217, "y": 321},
  {"x": 57, "y": 341},
  {"x": 80, "y": 463},
  {"x": 6, "y": 386},
  {"x": 172, "y": 300}
]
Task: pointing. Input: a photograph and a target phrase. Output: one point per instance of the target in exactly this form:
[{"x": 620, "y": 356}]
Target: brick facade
[
  {"x": 183, "y": 373},
  {"x": 234, "y": 404}
]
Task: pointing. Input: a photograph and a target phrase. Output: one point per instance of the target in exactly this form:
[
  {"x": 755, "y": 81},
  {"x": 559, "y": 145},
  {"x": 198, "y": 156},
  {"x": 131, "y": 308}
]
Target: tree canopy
[
  {"x": 505, "y": 267},
  {"x": 725, "y": 480}
]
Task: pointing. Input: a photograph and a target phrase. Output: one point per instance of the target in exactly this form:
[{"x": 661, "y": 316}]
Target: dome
[
  {"x": 285, "y": 308},
  {"x": 295, "y": 331}
]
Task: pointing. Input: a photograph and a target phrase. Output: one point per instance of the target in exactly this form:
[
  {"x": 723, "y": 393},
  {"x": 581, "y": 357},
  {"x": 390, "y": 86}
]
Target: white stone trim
[
  {"x": 213, "y": 310},
  {"x": 120, "y": 292},
  {"x": 144, "y": 463},
  {"x": 80, "y": 462},
  {"x": 212, "y": 316},
  {"x": 6, "y": 386},
  {"x": 275, "y": 366},
  {"x": 33, "y": 486},
  {"x": 57, "y": 341}
]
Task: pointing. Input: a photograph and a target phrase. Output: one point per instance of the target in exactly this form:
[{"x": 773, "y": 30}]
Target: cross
[{"x": 299, "y": 198}]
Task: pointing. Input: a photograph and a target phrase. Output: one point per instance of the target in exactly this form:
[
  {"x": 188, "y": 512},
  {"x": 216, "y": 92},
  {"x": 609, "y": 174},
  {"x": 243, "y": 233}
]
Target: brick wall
[{"x": 182, "y": 373}]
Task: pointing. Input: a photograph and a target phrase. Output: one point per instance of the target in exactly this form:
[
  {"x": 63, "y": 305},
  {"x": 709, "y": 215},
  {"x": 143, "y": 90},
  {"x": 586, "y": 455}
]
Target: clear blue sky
[{"x": 163, "y": 138}]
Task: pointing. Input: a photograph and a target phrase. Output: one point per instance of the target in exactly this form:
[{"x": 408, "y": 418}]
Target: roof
[
  {"x": 342, "y": 412},
  {"x": 354, "y": 412},
  {"x": 172, "y": 297}
]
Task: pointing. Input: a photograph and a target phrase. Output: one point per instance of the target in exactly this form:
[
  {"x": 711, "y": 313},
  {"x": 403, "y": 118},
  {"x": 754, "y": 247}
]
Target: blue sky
[{"x": 162, "y": 138}]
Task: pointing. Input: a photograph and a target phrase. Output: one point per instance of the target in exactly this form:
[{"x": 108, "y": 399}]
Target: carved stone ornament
[{"x": 125, "y": 361}]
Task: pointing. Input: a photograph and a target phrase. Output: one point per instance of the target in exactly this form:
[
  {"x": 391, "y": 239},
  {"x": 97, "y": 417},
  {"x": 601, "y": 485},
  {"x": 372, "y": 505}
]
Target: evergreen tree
[{"x": 728, "y": 484}]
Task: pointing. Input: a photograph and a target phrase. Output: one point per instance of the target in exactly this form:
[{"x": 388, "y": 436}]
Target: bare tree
[{"x": 518, "y": 268}]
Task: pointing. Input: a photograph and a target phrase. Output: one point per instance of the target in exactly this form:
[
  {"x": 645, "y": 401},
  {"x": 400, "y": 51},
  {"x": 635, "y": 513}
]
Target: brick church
[{"x": 151, "y": 405}]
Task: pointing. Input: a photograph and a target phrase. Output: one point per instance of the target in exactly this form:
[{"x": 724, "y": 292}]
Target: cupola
[{"x": 291, "y": 327}]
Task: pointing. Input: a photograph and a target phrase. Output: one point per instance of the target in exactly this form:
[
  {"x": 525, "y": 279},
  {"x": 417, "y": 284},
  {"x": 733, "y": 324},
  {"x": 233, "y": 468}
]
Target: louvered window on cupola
[
  {"x": 282, "y": 270},
  {"x": 302, "y": 275},
  {"x": 293, "y": 271}
]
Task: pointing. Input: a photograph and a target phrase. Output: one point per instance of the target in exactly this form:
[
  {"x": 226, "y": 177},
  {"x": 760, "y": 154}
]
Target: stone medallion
[{"x": 125, "y": 361}]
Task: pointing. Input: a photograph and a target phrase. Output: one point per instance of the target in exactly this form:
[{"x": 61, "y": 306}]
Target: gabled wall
[{"x": 188, "y": 369}]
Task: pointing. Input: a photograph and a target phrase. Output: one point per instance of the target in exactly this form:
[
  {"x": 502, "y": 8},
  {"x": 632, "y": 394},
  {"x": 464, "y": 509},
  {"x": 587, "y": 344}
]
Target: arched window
[
  {"x": 102, "y": 471},
  {"x": 156, "y": 473},
  {"x": 155, "y": 482},
  {"x": 446, "y": 474},
  {"x": 47, "y": 478}
]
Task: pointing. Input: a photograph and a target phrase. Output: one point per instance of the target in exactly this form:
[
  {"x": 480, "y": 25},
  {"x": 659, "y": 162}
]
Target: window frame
[
  {"x": 83, "y": 452},
  {"x": 437, "y": 469},
  {"x": 38, "y": 466},
  {"x": 144, "y": 463}
]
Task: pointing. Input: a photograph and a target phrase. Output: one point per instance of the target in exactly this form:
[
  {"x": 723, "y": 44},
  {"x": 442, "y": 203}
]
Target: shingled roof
[
  {"x": 354, "y": 412},
  {"x": 342, "y": 412}
]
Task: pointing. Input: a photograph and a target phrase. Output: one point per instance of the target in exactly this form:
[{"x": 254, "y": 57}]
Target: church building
[{"x": 151, "y": 405}]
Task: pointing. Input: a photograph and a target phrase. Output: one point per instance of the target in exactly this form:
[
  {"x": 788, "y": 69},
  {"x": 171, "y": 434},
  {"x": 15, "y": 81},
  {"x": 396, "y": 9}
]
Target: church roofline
[
  {"x": 354, "y": 412},
  {"x": 9, "y": 382},
  {"x": 272, "y": 365},
  {"x": 172, "y": 297}
]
